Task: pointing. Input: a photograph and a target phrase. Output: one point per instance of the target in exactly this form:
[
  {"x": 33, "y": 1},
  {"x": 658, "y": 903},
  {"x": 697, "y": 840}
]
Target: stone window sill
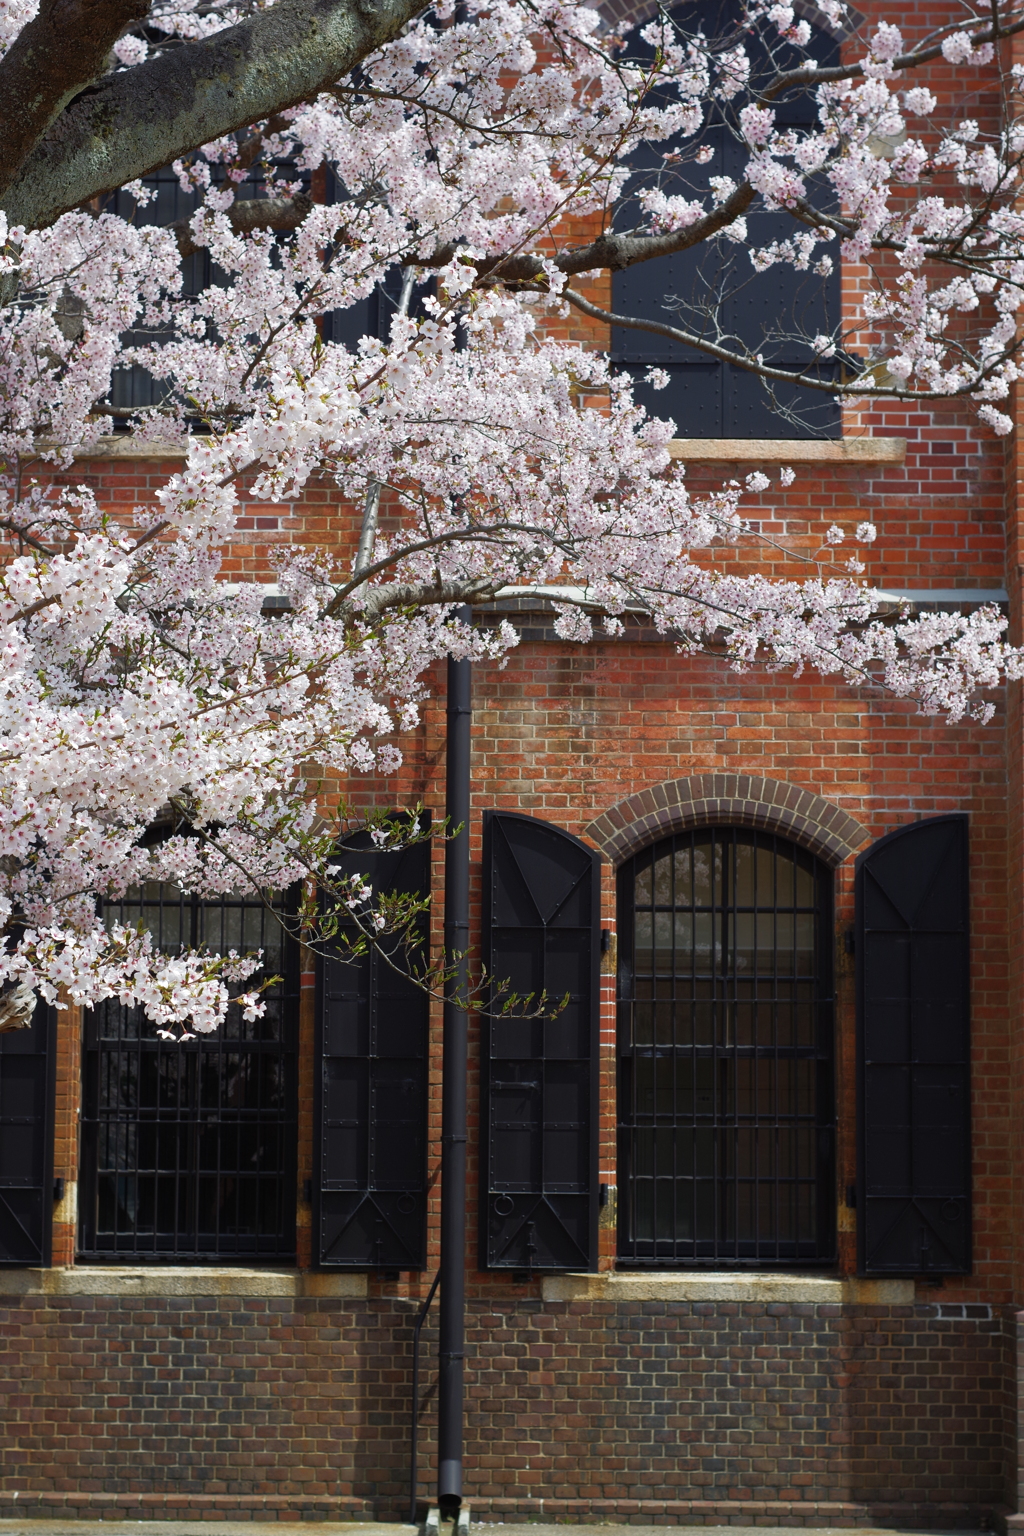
[
  {"x": 781, "y": 450},
  {"x": 196, "y": 1280},
  {"x": 713, "y": 450},
  {"x": 692, "y": 1285},
  {"x": 179, "y": 1280}
]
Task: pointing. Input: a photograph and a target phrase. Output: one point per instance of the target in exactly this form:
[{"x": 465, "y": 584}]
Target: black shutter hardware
[
  {"x": 373, "y": 1027},
  {"x": 913, "y": 997},
  {"x": 26, "y": 1140},
  {"x": 539, "y": 1077}
]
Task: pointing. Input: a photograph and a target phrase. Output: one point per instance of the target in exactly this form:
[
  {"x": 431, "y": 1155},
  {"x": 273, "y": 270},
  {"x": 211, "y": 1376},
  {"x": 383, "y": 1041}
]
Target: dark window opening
[
  {"x": 725, "y": 1042},
  {"x": 372, "y": 316},
  {"x": 713, "y": 290},
  {"x": 132, "y": 386},
  {"x": 189, "y": 1150}
]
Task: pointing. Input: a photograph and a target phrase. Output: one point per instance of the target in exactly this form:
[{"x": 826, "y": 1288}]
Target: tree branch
[
  {"x": 802, "y": 79},
  {"x": 65, "y": 47},
  {"x": 251, "y": 213},
  {"x": 422, "y": 594},
  {"x": 133, "y": 123},
  {"x": 764, "y": 370},
  {"x": 609, "y": 252}
]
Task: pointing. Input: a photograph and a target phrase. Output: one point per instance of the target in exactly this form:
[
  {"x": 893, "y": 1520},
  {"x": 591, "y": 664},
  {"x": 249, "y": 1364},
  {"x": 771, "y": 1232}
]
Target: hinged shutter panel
[
  {"x": 373, "y": 1064},
  {"x": 913, "y": 1207},
  {"x": 539, "y": 1076},
  {"x": 26, "y": 1140}
]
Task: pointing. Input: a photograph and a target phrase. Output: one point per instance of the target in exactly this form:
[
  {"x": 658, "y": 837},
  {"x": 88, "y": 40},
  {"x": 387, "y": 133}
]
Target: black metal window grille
[
  {"x": 189, "y": 1150},
  {"x": 726, "y": 1094}
]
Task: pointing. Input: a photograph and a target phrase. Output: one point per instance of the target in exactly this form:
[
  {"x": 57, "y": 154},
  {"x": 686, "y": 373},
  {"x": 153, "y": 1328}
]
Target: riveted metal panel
[
  {"x": 913, "y": 1050},
  {"x": 539, "y": 1075}
]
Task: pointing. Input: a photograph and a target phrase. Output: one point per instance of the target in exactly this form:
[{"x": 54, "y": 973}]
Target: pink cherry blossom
[{"x": 138, "y": 687}]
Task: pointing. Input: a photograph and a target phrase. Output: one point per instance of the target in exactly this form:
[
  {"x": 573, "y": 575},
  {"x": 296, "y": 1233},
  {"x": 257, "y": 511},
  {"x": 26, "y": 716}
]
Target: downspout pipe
[{"x": 455, "y": 1050}]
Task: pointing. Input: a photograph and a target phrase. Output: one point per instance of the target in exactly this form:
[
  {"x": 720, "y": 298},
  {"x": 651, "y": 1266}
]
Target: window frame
[
  {"x": 173, "y": 1246},
  {"x": 652, "y": 1251},
  {"x": 709, "y": 398}
]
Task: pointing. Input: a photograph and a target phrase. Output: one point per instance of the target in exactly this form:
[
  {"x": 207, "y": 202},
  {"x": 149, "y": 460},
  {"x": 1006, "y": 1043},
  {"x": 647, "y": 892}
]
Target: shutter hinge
[
  {"x": 850, "y": 941},
  {"x": 851, "y": 1197}
]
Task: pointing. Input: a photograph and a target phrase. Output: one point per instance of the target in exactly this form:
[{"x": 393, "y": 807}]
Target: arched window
[
  {"x": 726, "y": 1097},
  {"x": 189, "y": 1151}
]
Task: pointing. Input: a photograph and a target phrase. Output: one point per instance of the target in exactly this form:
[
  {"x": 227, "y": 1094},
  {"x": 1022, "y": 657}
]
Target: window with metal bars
[
  {"x": 189, "y": 1150},
  {"x": 725, "y": 1078}
]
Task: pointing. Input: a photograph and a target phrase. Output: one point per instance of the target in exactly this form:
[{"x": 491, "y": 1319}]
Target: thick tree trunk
[{"x": 134, "y": 122}]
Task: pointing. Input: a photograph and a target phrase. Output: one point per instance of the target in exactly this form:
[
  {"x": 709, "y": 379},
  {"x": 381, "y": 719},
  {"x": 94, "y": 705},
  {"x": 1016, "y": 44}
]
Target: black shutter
[
  {"x": 373, "y": 1027},
  {"x": 913, "y": 995},
  {"x": 539, "y": 1077},
  {"x": 26, "y": 1140},
  {"x": 135, "y": 386}
]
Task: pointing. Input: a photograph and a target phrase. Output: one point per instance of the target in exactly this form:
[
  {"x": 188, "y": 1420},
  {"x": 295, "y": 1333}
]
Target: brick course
[{"x": 287, "y": 1409}]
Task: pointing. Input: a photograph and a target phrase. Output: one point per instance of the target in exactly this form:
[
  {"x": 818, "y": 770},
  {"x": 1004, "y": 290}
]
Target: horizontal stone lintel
[
  {"x": 729, "y": 1286},
  {"x": 179, "y": 1280},
  {"x": 782, "y": 450},
  {"x": 708, "y": 450}
]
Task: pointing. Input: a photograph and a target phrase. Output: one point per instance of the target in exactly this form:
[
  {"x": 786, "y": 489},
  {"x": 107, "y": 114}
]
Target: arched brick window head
[{"x": 728, "y": 799}]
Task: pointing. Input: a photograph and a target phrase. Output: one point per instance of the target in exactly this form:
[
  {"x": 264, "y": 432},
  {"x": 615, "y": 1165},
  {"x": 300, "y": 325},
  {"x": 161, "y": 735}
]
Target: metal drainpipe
[{"x": 452, "y": 1309}]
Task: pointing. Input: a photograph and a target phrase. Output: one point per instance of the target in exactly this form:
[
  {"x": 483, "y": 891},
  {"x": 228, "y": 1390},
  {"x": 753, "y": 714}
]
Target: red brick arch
[{"x": 713, "y": 799}]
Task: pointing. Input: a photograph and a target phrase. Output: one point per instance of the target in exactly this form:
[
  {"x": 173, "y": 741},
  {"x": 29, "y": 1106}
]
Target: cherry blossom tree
[{"x": 137, "y": 687}]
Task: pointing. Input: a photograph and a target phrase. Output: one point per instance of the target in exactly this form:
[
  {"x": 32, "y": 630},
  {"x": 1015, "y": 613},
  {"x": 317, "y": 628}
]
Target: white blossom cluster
[{"x": 134, "y": 683}]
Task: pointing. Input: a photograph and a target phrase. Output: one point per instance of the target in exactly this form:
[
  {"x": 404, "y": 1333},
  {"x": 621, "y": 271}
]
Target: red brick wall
[
  {"x": 872, "y": 1407},
  {"x": 642, "y": 1411},
  {"x": 565, "y": 732}
]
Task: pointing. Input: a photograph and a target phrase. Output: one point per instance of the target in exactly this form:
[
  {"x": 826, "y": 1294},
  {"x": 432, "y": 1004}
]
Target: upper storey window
[{"x": 714, "y": 290}]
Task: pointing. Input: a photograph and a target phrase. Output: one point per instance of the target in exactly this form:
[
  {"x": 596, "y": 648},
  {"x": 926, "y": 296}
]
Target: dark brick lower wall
[{"x": 640, "y": 1411}]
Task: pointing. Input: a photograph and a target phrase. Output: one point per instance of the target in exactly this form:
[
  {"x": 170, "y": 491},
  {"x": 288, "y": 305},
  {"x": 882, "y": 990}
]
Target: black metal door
[
  {"x": 373, "y": 1032},
  {"x": 539, "y": 1077},
  {"x": 914, "y": 1185},
  {"x": 26, "y": 1140}
]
